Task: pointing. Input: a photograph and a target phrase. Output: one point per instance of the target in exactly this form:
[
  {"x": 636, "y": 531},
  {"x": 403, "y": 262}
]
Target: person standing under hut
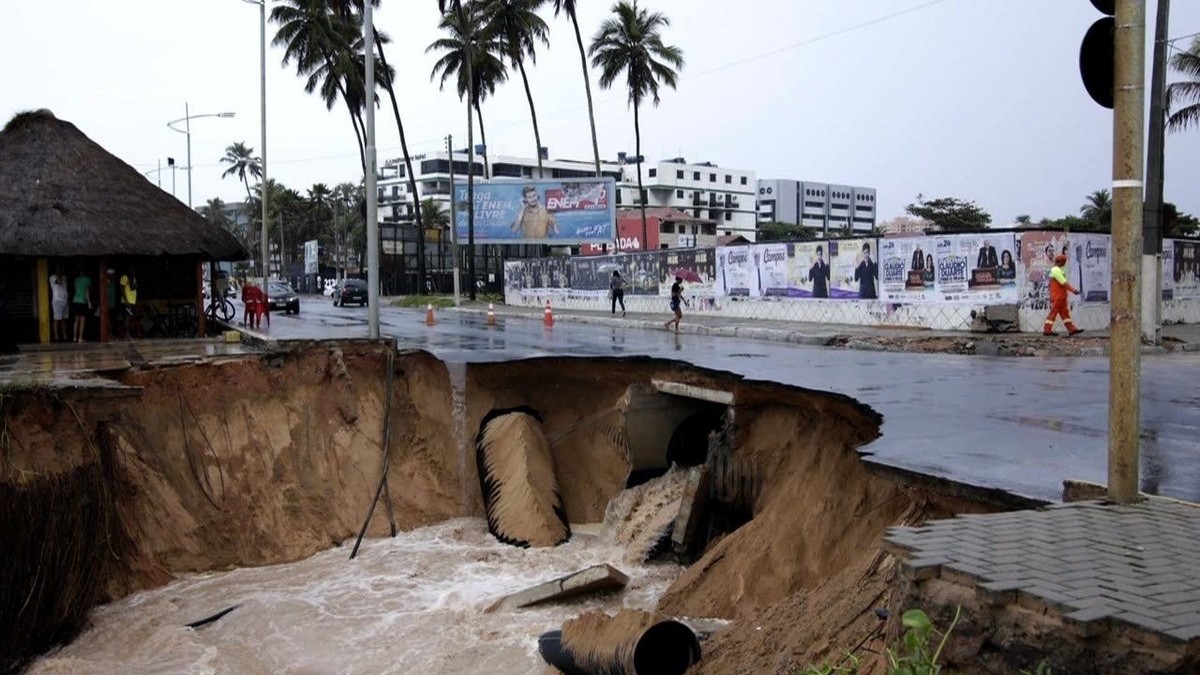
[
  {"x": 59, "y": 306},
  {"x": 676, "y": 299},
  {"x": 129, "y": 293},
  {"x": 81, "y": 304},
  {"x": 1059, "y": 287},
  {"x": 616, "y": 291}
]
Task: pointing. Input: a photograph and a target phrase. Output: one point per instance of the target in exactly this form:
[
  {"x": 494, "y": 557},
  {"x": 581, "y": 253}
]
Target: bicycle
[{"x": 219, "y": 308}]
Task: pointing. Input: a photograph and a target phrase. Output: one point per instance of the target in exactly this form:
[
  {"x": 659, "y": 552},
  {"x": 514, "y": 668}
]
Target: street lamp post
[
  {"x": 262, "y": 59},
  {"x": 187, "y": 131}
]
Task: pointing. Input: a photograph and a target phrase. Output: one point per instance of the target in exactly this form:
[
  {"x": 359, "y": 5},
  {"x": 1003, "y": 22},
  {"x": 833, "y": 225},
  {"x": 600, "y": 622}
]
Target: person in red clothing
[
  {"x": 1059, "y": 287},
  {"x": 252, "y": 298}
]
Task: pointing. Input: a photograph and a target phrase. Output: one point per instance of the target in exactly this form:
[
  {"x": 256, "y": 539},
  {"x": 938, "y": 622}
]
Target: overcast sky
[{"x": 976, "y": 99}]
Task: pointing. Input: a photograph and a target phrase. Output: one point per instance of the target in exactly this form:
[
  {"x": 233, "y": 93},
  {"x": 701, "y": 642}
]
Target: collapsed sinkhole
[{"x": 271, "y": 458}]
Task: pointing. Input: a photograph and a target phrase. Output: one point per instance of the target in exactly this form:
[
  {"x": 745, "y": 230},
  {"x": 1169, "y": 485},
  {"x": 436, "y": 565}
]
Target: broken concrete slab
[
  {"x": 593, "y": 579},
  {"x": 691, "y": 511}
]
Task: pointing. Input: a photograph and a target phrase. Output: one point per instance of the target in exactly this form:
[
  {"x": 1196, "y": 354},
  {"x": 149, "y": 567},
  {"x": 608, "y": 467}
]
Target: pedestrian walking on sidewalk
[
  {"x": 676, "y": 299},
  {"x": 1059, "y": 287},
  {"x": 616, "y": 292}
]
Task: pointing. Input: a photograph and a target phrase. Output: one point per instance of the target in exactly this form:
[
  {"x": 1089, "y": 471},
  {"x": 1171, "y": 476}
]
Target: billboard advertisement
[
  {"x": 555, "y": 212},
  {"x": 1168, "y": 269},
  {"x": 1089, "y": 267},
  {"x": 1036, "y": 251}
]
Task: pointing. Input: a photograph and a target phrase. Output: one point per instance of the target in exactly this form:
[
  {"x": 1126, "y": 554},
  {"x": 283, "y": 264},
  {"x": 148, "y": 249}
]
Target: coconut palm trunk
[
  {"x": 637, "y": 149},
  {"x": 487, "y": 168},
  {"x": 537, "y": 135},
  {"x": 587, "y": 87},
  {"x": 412, "y": 180}
]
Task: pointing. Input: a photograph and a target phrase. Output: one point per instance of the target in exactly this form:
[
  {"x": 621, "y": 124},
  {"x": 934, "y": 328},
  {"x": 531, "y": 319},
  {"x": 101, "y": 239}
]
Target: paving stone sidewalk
[{"x": 1090, "y": 561}]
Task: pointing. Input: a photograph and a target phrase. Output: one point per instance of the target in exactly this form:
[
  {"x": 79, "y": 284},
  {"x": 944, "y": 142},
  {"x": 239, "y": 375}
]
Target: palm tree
[
  {"x": 1187, "y": 92},
  {"x": 1098, "y": 209},
  {"x": 242, "y": 163},
  {"x": 517, "y": 29},
  {"x": 328, "y": 51},
  {"x": 214, "y": 213},
  {"x": 478, "y": 71},
  {"x": 569, "y": 7},
  {"x": 347, "y": 10},
  {"x": 631, "y": 42}
]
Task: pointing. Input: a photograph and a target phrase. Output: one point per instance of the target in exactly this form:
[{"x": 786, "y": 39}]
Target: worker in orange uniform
[{"x": 1059, "y": 287}]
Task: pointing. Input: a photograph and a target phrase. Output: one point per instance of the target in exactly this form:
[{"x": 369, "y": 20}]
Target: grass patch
[{"x": 439, "y": 301}]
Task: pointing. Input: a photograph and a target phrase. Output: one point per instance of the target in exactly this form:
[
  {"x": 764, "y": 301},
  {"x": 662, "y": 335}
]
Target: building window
[
  {"x": 679, "y": 194},
  {"x": 666, "y": 228},
  {"x": 743, "y": 180},
  {"x": 619, "y": 196},
  {"x": 653, "y": 173},
  {"x": 728, "y": 179},
  {"x": 695, "y": 229},
  {"x": 728, "y": 216},
  {"x": 712, "y": 177},
  {"x": 695, "y": 175},
  {"x": 679, "y": 175},
  {"x": 695, "y": 213}
]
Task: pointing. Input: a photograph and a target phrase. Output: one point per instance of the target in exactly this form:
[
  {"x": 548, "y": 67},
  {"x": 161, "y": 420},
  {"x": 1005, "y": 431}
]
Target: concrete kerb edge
[
  {"x": 776, "y": 335},
  {"x": 748, "y": 332}
]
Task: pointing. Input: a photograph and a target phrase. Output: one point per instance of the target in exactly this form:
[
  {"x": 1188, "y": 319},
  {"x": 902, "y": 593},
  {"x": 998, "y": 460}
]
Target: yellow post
[{"x": 43, "y": 300}]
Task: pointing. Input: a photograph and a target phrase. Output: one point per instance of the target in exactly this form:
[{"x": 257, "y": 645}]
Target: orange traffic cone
[
  {"x": 491, "y": 315},
  {"x": 429, "y": 320},
  {"x": 548, "y": 318}
]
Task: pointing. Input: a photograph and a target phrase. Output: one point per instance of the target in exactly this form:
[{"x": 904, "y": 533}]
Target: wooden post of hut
[
  {"x": 200, "y": 328},
  {"x": 43, "y": 300},
  {"x": 105, "y": 328}
]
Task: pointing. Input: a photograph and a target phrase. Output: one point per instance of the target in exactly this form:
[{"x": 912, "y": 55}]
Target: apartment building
[
  {"x": 824, "y": 206},
  {"x": 703, "y": 191}
]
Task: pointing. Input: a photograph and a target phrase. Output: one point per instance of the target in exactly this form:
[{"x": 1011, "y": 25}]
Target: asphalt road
[{"x": 1018, "y": 424}]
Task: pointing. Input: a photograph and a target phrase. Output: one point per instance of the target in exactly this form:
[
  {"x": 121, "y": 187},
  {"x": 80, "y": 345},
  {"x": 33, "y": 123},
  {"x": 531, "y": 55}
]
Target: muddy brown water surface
[{"x": 238, "y": 482}]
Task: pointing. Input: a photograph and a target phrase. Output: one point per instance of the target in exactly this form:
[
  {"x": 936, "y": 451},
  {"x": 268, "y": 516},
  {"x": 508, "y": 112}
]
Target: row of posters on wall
[{"x": 987, "y": 268}]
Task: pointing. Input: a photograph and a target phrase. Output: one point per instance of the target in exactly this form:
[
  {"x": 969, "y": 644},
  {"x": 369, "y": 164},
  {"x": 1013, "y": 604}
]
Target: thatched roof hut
[{"x": 63, "y": 195}]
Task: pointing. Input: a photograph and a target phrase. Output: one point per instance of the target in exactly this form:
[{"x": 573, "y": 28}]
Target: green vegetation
[
  {"x": 950, "y": 214},
  {"x": 915, "y": 655},
  {"x": 439, "y": 301}
]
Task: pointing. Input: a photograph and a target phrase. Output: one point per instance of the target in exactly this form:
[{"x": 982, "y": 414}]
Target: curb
[{"x": 791, "y": 337}]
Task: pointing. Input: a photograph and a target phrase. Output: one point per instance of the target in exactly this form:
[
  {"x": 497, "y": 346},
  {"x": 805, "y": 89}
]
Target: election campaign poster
[
  {"x": 771, "y": 270},
  {"x": 737, "y": 276},
  {"x": 975, "y": 267},
  {"x": 809, "y": 272},
  {"x": 907, "y": 271},
  {"x": 555, "y": 212},
  {"x": 1089, "y": 267},
  {"x": 1168, "y": 269},
  {"x": 1186, "y": 269},
  {"x": 854, "y": 269}
]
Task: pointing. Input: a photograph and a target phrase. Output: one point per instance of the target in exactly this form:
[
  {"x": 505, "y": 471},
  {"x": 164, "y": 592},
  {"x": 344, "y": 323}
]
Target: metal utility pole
[
  {"x": 187, "y": 122},
  {"x": 1124, "y": 384},
  {"x": 262, "y": 94},
  {"x": 1152, "y": 214},
  {"x": 372, "y": 203},
  {"x": 453, "y": 223}
]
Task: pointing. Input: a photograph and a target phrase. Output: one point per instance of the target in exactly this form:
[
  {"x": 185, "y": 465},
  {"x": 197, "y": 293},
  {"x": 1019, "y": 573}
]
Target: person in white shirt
[{"x": 58, "y": 305}]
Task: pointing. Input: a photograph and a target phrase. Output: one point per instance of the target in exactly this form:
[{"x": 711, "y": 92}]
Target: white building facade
[
  {"x": 704, "y": 190},
  {"x": 827, "y": 207}
]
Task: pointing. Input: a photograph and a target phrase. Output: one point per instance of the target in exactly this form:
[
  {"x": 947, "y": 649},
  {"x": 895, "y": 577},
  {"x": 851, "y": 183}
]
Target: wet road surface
[{"x": 1018, "y": 424}]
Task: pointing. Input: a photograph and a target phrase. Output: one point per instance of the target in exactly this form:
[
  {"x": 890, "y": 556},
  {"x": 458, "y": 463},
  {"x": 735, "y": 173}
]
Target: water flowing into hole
[{"x": 458, "y": 426}]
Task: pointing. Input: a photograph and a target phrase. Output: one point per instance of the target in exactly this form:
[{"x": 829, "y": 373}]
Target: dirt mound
[{"x": 520, "y": 492}]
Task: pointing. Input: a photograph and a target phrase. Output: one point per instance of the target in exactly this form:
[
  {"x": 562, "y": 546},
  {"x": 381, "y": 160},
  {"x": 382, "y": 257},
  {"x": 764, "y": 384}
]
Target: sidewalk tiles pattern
[{"x": 1090, "y": 561}]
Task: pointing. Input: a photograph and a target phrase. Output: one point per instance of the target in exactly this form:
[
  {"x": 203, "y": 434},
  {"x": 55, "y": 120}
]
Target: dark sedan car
[
  {"x": 350, "y": 291},
  {"x": 281, "y": 296}
]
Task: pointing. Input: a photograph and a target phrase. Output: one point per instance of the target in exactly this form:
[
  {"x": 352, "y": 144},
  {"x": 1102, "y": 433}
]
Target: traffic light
[{"x": 1097, "y": 55}]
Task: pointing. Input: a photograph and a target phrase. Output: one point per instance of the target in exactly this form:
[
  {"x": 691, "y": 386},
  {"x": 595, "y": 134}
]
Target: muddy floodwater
[{"x": 413, "y": 604}]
